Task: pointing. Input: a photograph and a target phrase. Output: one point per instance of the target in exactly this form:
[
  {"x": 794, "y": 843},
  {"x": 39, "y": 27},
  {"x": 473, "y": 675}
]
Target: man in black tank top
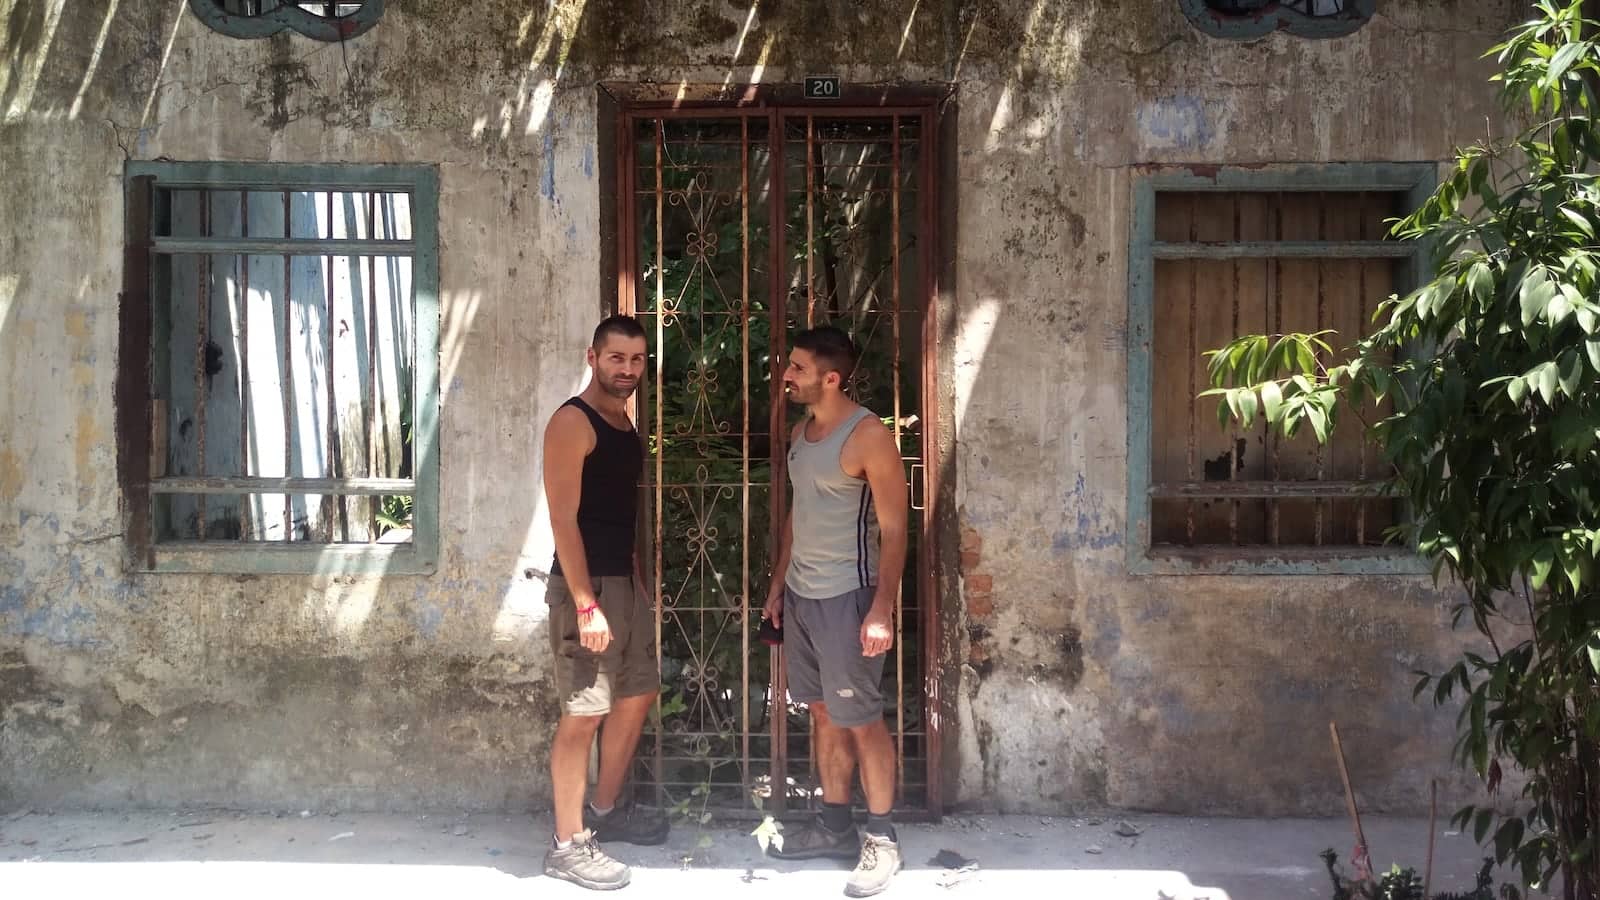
[{"x": 602, "y": 621}]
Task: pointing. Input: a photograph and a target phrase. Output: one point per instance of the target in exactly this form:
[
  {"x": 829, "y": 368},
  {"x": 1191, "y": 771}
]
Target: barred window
[
  {"x": 323, "y": 20},
  {"x": 291, "y": 365}
]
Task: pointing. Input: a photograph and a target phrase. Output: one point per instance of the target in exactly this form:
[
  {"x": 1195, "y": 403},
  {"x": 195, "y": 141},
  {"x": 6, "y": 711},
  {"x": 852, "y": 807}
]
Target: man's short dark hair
[
  {"x": 622, "y": 326},
  {"x": 834, "y": 350}
]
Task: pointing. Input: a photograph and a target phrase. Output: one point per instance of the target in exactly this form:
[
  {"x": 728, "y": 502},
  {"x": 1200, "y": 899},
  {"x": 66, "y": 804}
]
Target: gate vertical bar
[
  {"x": 811, "y": 228},
  {"x": 894, "y": 324},
  {"x": 927, "y": 241},
  {"x": 744, "y": 453},
  {"x": 778, "y": 307},
  {"x": 660, "y": 310}
]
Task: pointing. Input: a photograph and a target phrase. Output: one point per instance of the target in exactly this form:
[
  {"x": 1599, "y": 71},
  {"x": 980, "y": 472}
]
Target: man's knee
[
  {"x": 579, "y": 725},
  {"x": 870, "y": 728}
]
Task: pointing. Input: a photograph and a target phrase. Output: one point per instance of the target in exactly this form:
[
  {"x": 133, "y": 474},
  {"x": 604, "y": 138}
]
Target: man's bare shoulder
[{"x": 570, "y": 424}]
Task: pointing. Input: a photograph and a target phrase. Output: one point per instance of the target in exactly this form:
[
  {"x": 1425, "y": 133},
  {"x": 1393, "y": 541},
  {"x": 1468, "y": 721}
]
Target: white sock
[
  {"x": 560, "y": 844},
  {"x": 602, "y": 812}
]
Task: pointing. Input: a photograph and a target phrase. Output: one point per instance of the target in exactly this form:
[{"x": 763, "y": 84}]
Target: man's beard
[
  {"x": 622, "y": 390},
  {"x": 800, "y": 397}
]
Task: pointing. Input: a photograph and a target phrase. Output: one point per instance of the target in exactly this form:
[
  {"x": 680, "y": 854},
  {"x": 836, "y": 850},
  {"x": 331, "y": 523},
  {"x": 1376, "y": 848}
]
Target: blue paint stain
[
  {"x": 1175, "y": 123},
  {"x": 588, "y": 162},
  {"x": 572, "y": 233},
  {"x": 11, "y": 600},
  {"x": 547, "y": 180},
  {"x": 68, "y": 624},
  {"x": 1089, "y": 530},
  {"x": 428, "y": 618}
]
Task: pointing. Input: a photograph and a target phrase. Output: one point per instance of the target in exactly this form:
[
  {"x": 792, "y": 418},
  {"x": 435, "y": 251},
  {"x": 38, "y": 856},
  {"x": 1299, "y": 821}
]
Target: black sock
[
  {"x": 881, "y": 825},
  {"x": 836, "y": 817}
]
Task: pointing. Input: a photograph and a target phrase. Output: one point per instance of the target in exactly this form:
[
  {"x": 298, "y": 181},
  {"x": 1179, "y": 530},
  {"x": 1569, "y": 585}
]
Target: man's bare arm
[{"x": 885, "y": 474}]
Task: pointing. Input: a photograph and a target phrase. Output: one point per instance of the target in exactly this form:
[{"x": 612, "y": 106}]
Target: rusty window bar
[
  {"x": 201, "y": 331},
  {"x": 1233, "y": 435},
  {"x": 371, "y": 414},
  {"x": 1192, "y": 431},
  {"x": 287, "y": 382},
  {"x": 244, "y": 363}
]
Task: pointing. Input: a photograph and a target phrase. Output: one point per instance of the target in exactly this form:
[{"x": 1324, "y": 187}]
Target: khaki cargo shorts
[{"x": 587, "y": 681}]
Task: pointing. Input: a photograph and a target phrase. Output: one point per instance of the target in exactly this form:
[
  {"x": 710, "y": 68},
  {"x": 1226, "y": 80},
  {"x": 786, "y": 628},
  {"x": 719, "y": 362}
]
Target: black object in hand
[{"x": 770, "y": 634}]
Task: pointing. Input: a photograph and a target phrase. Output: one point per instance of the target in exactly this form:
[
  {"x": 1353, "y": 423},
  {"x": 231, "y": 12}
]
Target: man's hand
[
  {"x": 774, "y": 608},
  {"x": 877, "y": 631},
  {"x": 594, "y": 632}
]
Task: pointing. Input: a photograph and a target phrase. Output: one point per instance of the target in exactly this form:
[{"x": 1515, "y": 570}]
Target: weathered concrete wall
[{"x": 1079, "y": 686}]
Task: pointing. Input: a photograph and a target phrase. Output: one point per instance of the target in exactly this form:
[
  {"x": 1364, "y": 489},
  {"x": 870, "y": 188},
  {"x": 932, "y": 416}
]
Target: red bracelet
[{"x": 588, "y": 609}]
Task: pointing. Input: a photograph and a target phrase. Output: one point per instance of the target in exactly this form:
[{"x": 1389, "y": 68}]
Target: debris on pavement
[
  {"x": 957, "y": 868},
  {"x": 1128, "y": 830},
  {"x": 949, "y": 859},
  {"x": 1096, "y": 849},
  {"x": 341, "y": 836}
]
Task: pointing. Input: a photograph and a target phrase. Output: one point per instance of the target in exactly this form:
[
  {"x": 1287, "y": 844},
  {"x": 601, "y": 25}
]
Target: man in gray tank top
[{"x": 834, "y": 585}]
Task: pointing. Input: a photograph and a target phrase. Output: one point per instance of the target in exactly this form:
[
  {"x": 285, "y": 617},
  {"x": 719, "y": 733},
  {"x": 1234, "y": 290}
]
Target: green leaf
[
  {"x": 1547, "y": 382},
  {"x": 1535, "y": 294},
  {"x": 1517, "y": 390},
  {"x": 1571, "y": 373},
  {"x": 1562, "y": 61},
  {"x": 1319, "y": 421},
  {"x": 1247, "y": 407},
  {"x": 1591, "y": 347},
  {"x": 1588, "y": 320},
  {"x": 1480, "y": 282},
  {"x": 1584, "y": 225},
  {"x": 1544, "y": 559},
  {"x": 1480, "y": 827},
  {"x": 1272, "y": 401}
]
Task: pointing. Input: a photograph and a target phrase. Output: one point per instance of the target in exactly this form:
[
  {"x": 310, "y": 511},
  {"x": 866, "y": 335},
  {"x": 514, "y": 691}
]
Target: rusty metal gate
[{"x": 735, "y": 226}]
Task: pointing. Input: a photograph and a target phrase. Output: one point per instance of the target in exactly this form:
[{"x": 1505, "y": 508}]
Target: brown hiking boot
[
  {"x": 586, "y": 865},
  {"x": 880, "y": 860},
  {"x": 813, "y": 840}
]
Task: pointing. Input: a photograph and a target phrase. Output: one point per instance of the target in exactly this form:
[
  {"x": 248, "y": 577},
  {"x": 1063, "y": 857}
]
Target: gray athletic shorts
[{"x": 822, "y": 656}]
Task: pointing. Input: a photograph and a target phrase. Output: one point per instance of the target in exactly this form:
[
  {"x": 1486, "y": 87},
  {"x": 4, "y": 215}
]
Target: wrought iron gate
[{"x": 736, "y": 225}]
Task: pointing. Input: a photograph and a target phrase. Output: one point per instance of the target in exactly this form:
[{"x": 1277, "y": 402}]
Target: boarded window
[
  {"x": 1254, "y": 262},
  {"x": 287, "y": 357}
]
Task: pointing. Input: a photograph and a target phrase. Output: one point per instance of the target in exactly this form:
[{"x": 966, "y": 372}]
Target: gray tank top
[{"x": 835, "y": 545}]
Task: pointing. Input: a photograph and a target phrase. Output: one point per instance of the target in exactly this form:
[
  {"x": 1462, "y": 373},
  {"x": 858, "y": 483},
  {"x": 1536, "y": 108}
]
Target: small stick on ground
[{"x": 1361, "y": 859}]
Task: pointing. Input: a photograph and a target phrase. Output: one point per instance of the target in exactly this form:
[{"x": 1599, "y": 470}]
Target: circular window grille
[
  {"x": 324, "y": 20},
  {"x": 1254, "y": 18}
]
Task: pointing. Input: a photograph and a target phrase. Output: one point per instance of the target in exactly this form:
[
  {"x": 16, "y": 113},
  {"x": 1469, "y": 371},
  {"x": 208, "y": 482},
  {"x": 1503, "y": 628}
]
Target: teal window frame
[
  {"x": 421, "y": 554},
  {"x": 1417, "y": 180}
]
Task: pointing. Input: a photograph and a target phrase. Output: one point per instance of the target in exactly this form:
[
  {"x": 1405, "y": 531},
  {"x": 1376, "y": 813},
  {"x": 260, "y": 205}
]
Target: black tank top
[{"x": 609, "y": 503}]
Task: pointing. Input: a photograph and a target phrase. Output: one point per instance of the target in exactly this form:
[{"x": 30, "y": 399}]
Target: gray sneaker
[
  {"x": 586, "y": 865},
  {"x": 880, "y": 860}
]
